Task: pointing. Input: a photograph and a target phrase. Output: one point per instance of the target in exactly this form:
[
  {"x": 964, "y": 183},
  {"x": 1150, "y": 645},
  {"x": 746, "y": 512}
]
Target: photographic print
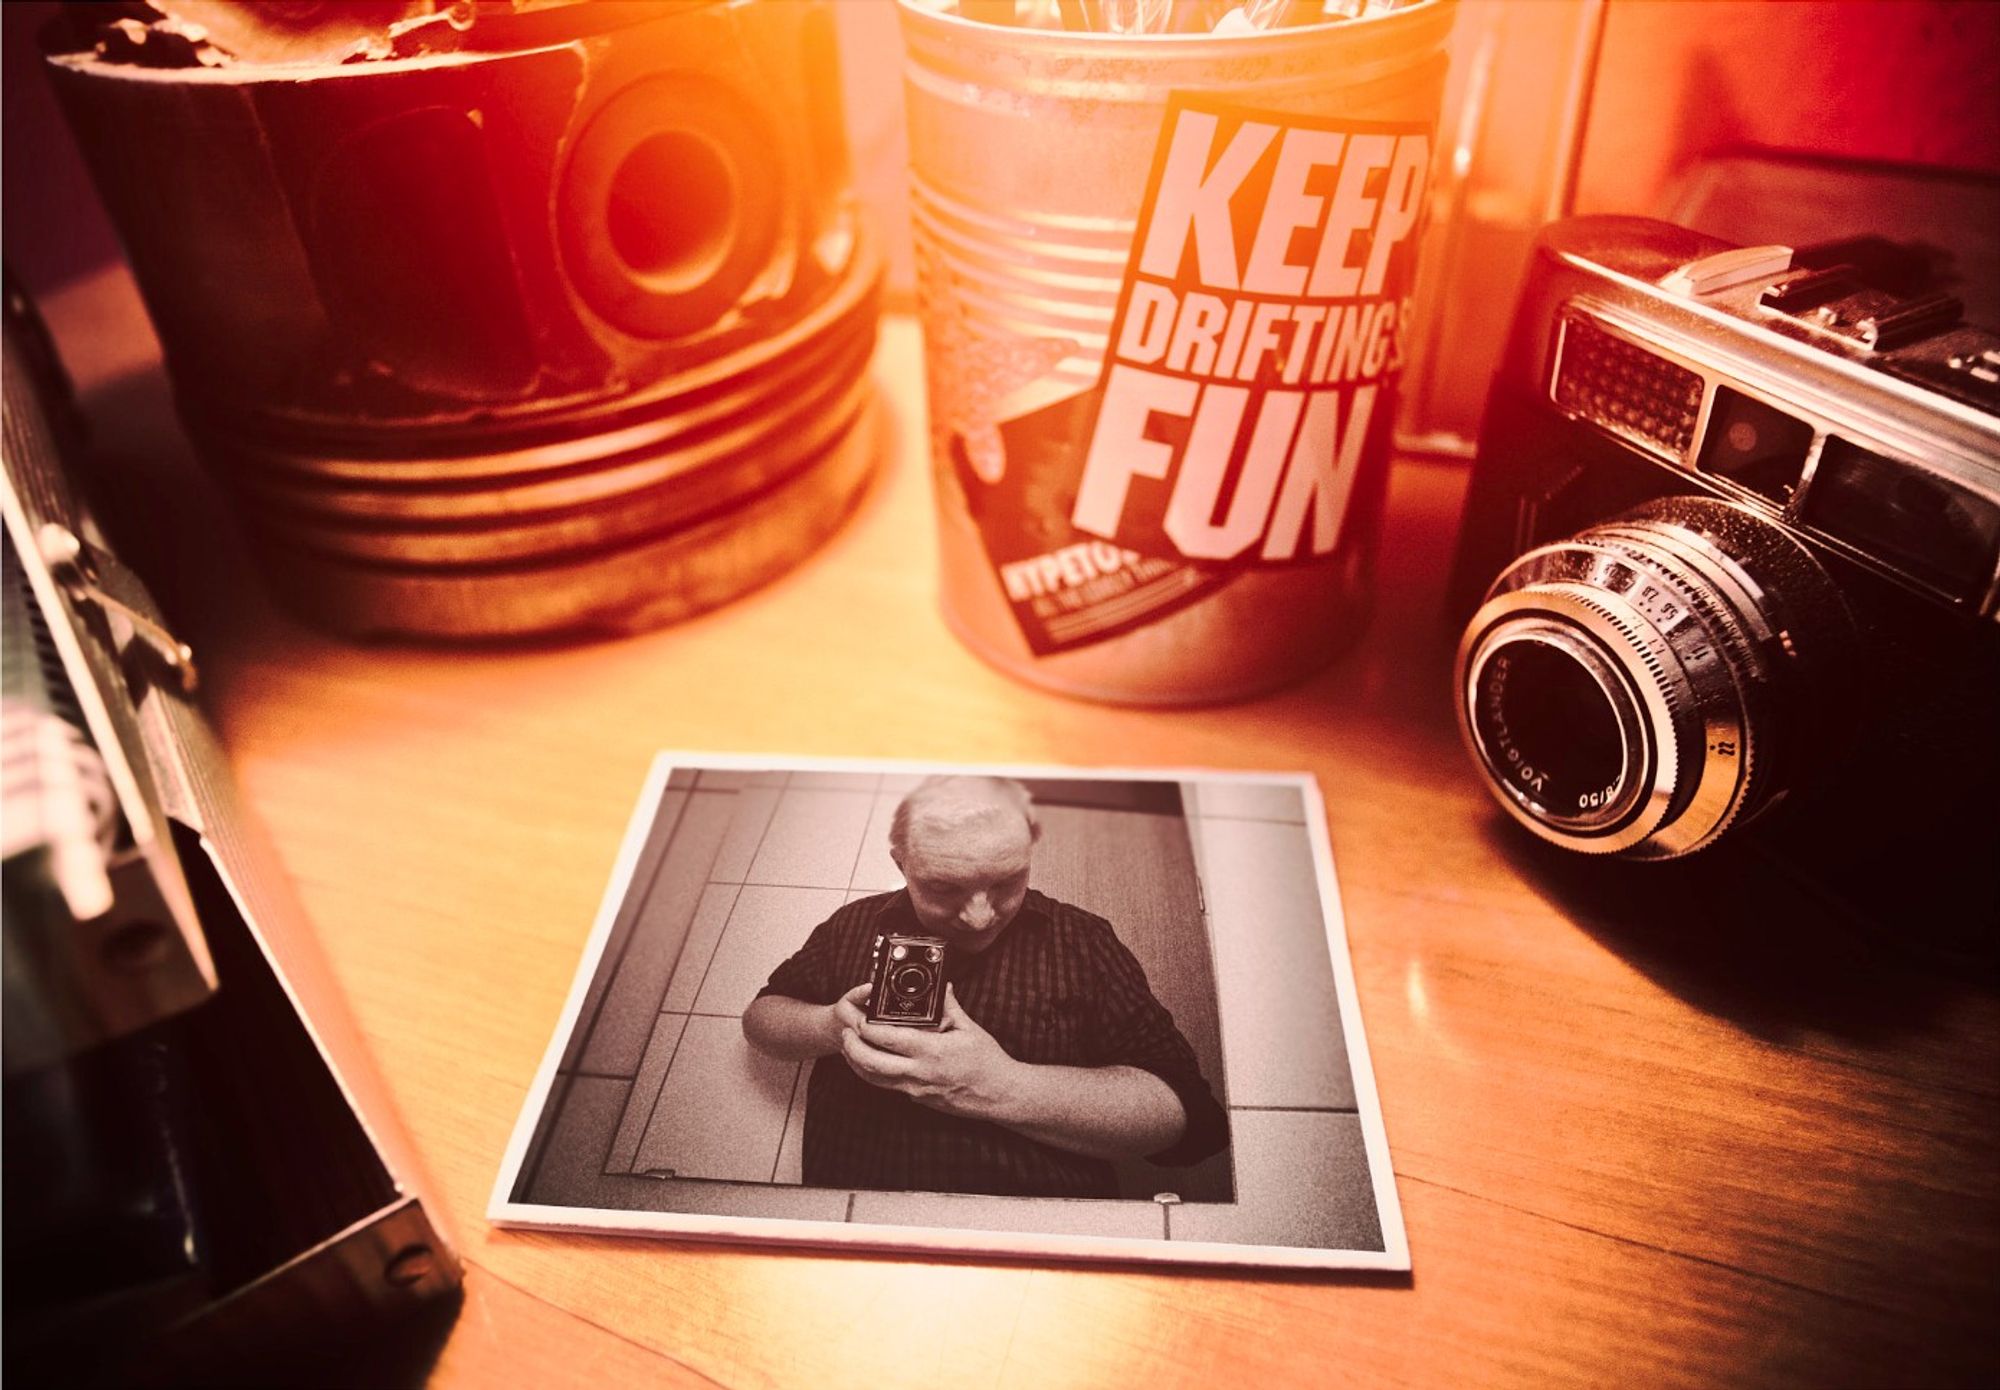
[{"x": 1068, "y": 1012}]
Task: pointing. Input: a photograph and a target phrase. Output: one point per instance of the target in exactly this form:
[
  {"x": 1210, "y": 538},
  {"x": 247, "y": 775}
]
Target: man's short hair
[{"x": 942, "y": 794}]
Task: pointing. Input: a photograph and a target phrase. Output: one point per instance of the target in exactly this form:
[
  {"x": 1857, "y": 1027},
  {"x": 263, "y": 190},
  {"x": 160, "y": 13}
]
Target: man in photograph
[{"x": 1054, "y": 1057}]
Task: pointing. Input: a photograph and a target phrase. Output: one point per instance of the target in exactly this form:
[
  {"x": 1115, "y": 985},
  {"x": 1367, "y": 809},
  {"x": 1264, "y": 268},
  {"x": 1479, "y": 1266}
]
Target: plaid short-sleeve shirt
[{"x": 1057, "y": 988}]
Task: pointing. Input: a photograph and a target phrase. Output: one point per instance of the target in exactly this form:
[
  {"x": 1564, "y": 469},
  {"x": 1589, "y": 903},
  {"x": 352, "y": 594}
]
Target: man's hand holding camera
[
  {"x": 958, "y": 1069},
  {"x": 963, "y": 845}
]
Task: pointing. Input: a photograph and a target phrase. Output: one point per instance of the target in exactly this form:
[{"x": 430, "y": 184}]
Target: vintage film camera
[
  {"x": 1736, "y": 525},
  {"x": 205, "y": 1181},
  {"x": 907, "y": 975}
]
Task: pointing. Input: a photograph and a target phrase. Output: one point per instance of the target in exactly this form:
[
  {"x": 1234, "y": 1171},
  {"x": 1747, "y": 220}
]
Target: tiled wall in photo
[
  {"x": 792, "y": 854},
  {"x": 659, "y": 1083},
  {"x": 738, "y": 869},
  {"x": 1301, "y": 1166}
]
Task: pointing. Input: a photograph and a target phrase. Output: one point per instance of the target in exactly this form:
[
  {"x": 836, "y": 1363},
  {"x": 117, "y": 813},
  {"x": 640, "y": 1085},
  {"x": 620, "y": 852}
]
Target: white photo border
[{"x": 1394, "y": 1256}]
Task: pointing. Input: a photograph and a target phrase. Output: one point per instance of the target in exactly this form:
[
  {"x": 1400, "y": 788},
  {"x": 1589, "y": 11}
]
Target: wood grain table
[{"x": 1646, "y": 1129}]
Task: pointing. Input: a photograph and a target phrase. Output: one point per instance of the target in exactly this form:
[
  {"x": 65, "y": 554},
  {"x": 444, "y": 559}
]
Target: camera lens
[
  {"x": 1553, "y": 720},
  {"x": 1636, "y": 689},
  {"x": 911, "y": 980}
]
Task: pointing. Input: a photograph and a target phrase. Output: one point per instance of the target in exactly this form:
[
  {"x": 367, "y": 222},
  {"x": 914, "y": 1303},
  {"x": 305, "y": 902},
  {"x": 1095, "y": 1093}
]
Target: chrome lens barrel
[{"x": 1632, "y": 690}]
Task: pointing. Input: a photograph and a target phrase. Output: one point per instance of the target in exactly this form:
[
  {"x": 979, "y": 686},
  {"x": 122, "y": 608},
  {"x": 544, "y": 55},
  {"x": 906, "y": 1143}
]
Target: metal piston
[{"x": 548, "y": 318}]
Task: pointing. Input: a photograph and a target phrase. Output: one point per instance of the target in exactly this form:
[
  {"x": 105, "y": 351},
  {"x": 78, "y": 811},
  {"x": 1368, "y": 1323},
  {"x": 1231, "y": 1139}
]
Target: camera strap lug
[{"x": 90, "y": 576}]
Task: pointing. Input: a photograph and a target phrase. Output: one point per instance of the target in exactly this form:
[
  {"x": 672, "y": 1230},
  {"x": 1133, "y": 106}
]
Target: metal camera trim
[
  {"x": 1823, "y": 386},
  {"x": 1719, "y": 369},
  {"x": 1858, "y": 643}
]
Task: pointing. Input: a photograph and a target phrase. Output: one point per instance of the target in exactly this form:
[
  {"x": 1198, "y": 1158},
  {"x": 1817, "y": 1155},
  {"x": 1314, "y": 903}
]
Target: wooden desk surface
[{"x": 1640, "y": 1137}]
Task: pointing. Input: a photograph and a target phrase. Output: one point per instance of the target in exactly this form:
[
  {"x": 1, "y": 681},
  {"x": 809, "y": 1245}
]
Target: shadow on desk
[
  {"x": 1736, "y": 934},
  {"x": 404, "y": 1355},
  {"x": 628, "y": 1246}
]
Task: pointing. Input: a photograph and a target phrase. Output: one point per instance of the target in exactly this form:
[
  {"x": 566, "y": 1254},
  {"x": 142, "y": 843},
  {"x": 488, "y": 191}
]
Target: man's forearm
[
  {"x": 1100, "y": 1112},
  {"x": 791, "y": 1028}
]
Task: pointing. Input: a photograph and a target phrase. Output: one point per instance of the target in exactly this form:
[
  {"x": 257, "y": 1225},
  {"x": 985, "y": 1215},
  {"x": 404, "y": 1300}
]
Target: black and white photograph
[{"x": 1080, "y": 1013}]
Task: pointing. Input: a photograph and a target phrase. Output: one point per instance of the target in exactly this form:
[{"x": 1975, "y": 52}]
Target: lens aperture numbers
[{"x": 1546, "y": 724}]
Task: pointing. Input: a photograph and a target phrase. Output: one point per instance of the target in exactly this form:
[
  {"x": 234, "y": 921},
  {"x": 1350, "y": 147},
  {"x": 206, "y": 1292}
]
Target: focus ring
[
  {"x": 1680, "y": 648},
  {"x": 1729, "y": 734}
]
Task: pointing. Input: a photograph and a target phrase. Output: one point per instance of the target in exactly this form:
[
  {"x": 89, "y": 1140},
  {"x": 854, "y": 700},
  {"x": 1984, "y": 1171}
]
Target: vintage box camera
[
  {"x": 1732, "y": 541},
  {"x": 907, "y": 973}
]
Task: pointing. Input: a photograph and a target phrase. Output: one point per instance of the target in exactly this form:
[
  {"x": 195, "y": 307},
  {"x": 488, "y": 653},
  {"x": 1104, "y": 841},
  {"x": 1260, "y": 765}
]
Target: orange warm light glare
[
  {"x": 1908, "y": 83},
  {"x": 560, "y": 326},
  {"x": 1606, "y": 106},
  {"x": 979, "y": 1324}
]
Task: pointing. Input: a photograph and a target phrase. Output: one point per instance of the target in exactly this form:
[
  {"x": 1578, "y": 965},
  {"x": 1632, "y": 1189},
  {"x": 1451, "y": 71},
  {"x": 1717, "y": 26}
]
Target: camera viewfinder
[
  {"x": 1755, "y": 445},
  {"x": 1929, "y": 528}
]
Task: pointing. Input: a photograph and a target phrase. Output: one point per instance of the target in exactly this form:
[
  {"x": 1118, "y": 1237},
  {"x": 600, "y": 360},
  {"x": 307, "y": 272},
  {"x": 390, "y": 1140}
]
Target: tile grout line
[
  {"x": 708, "y": 967},
  {"x": 861, "y": 845},
  {"x": 611, "y": 1142},
  {"x": 707, "y": 883},
  {"x": 551, "y": 1111},
  {"x": 1193, "y": 813},
  {"x": 716, "y": 951},
  {"x": 667, "y": 988},
  {"x": 734, "y": 903},
  {"x": 735, "y": 896},
  {"x": 666, "y": 847},
  {"x": 654, "y": 1109},
  {"x": 791, "y": 1104}
]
